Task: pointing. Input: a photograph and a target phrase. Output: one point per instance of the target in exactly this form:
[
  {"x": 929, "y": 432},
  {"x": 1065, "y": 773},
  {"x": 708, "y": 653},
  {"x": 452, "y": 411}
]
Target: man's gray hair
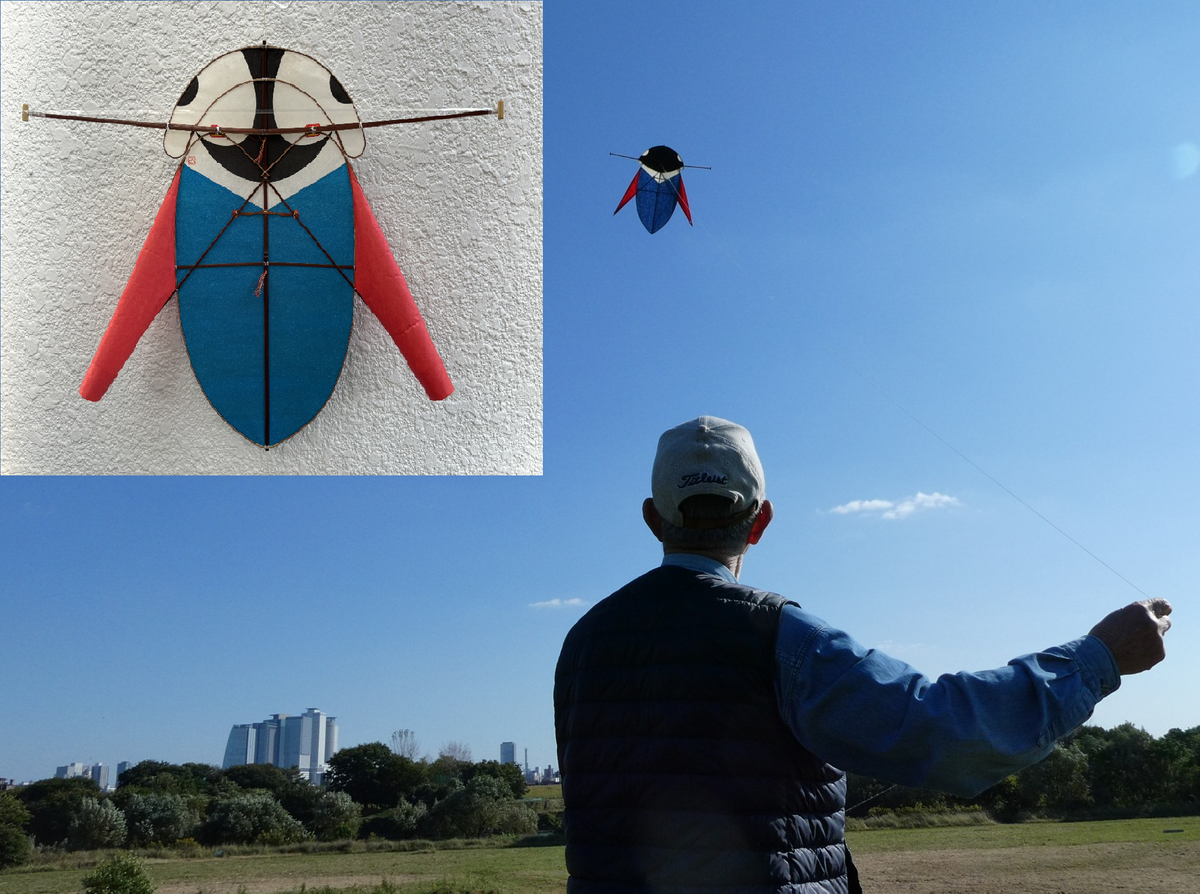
[{"x": 709, "y": 508}]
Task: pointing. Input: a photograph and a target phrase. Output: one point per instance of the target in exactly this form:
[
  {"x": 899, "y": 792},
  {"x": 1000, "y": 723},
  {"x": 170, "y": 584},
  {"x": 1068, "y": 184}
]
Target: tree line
[
  {"x": 369, "y": 791},
  {"x": 1091, "y": 772}
]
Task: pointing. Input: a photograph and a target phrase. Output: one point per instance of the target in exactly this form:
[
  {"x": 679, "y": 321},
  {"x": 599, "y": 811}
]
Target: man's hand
[{"x": 1134, "y": 634}]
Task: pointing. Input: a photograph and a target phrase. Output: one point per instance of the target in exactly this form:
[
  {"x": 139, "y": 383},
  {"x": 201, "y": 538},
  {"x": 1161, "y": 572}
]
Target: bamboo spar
[{"x": 260, "y": 131}]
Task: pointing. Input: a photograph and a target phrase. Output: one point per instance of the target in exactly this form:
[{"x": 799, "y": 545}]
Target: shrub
[
  {"x": 484, "y": 807},
  {"x": 158, "y": 819},
  {"x": 14, "y": 846},
  {"x": 335, "y": 816},
  {"x": 14, "y": 841},
  {"x": 120, "y": 874},
  {"x": 96, "y": 824},
  {"x": 402, "y": 821},
  {"x": 254, "y": 818}
]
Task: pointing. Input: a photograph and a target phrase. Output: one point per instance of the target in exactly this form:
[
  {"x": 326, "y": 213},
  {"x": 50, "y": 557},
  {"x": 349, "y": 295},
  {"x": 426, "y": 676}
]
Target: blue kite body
[
  {"x": 658, "y": 185},
  {"x": 267, "y": 373}
]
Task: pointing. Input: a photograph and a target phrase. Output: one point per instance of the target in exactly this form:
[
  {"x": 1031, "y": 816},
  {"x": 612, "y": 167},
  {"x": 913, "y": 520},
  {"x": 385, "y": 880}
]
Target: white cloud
[
  {"x": 862, "y": 506},
  {"x": 559, "y": 603},
  {"x": 897, "y": 509}
]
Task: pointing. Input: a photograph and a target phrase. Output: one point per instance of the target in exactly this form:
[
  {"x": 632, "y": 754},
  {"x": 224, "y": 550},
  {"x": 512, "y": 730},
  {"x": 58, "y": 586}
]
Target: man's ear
[
  {"x": 652, "y": 518},
  {"x": 761, "y": 521}
]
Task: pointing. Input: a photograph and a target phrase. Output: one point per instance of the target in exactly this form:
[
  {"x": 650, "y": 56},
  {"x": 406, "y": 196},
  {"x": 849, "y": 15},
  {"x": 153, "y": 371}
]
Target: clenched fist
[{"x": 1134, "y": 634}]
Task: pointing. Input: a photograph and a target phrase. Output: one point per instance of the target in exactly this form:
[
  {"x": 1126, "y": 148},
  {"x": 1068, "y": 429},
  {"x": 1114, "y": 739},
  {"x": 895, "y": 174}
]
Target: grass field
[
  {"x": 1056, "y": 858},
  {"x": 1059, "y": 858}
]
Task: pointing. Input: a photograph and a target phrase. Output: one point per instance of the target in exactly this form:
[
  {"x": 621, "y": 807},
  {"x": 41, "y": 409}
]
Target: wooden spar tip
[
  {"x": 24, "y": 111},
  {"x": 500, "y": 110}
]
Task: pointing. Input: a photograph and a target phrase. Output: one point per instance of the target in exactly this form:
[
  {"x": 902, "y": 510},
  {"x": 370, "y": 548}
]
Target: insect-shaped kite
[
  {"x": 265, "y": 236},
  {"x": 658, "y": 185}
]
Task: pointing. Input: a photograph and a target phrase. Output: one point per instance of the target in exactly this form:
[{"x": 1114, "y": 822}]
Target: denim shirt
[{"x": 869, "y": 713}]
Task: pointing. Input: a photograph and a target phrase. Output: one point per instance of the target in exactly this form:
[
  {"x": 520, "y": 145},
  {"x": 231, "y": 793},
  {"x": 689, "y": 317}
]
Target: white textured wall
[{"x": 460, "y": 203}]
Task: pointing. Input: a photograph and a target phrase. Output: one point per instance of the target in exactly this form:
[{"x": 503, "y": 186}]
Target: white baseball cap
[{"x": 706, "y": 456}]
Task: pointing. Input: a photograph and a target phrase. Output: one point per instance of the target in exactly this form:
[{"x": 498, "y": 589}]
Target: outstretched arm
[{"x": 869, "y": 713}]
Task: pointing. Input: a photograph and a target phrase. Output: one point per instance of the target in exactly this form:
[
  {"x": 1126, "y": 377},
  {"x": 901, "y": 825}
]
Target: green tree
[
  {"x": 267, "y": 777},
  {"x": 96, "y": 824},
  {"x": 374, "y": 776},
  {"x": 14, "y": 841},
  {"x": 159, "y": 819},
  {"x": 121, "y": 873},
  {"x": 1180, "y": 752},
  {"x": 485, "y": 806},
  {"x": 52, "y": 804},
  {"x": 177, "y": 779},
  {"x": 1057, "y": 782},
  {"x": 510, "y": 774},
  {"x": 250, "y": 818},
  {"x": 286, "y": 786},
  {"x": 1125, "y": 769},
  {"x": 335, "y": 816}
]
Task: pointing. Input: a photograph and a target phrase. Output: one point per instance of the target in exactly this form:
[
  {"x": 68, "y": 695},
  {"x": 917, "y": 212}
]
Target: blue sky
[{"x": 979, "y": 220}]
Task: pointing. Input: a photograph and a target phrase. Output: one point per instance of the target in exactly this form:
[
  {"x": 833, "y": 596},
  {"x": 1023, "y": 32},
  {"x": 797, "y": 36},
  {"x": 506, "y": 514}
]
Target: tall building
[
  {"x": 98, "y": 772},
  {"x": 306, "y": 741},
  {"x": 508, "y": 753}
]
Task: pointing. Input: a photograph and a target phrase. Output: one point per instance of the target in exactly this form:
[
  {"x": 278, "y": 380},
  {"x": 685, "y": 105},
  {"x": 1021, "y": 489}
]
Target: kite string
[
  {"x": 982, "y": 471},
  {"x": 737, "y": 263}
]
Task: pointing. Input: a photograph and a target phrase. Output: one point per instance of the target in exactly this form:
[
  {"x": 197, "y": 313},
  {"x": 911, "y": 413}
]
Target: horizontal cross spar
[
  {"x": 698, "y": 167},
  {"x": 261, "y": 131}
]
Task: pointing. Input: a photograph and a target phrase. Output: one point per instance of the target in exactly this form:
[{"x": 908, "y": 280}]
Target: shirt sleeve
[{"x": 869, "y": 713}]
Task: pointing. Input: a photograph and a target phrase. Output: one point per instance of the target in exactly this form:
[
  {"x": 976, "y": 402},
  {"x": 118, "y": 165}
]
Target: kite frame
[{"x": 200, "y": 131}]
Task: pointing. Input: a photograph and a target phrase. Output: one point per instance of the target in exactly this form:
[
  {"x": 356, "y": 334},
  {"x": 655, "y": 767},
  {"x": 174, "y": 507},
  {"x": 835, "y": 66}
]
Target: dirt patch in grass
[
  {"x": 1077, "y": 869},
  {"x": 277, "y": 885}
]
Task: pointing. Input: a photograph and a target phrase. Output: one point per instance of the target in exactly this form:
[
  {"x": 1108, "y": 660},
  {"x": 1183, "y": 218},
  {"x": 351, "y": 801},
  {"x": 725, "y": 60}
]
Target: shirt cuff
[{"x": 1098, "y": 666}]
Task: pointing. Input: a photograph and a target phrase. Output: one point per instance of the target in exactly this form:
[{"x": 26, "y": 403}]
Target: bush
[
  {"x": 158, "y": 819},
  {"x": 119, "y": 874},
  {"x": 255, "y": 818},
  {"x": 14, "y": 841},
  {"x": 96, "y": 824},
  {"x": 919, "y": 818},
  {"x": 484, "y": 807},
  {"x": 15, "y": 848},
  {"x": 402, "y": 821},
  {"x": 335, "y": 816}
]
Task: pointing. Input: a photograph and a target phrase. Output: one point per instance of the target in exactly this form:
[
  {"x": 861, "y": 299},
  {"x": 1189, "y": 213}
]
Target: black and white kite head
[
  {"x": 661, "y": 162},
  {"x": 269, "y": 88}
]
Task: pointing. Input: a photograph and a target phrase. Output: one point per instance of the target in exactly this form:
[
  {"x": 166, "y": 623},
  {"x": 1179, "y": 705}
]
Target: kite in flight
[
  {"x": 658, "y": 185},
  {"x": 265, "y": 236}
]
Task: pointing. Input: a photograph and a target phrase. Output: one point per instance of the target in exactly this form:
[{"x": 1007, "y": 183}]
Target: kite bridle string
[{"x": 293, "y": 213}]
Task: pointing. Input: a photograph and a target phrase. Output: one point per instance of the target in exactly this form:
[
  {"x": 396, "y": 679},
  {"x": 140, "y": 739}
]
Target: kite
[
  {"x": 658, "y": 185},
  {"x": 265, "y": 236}
]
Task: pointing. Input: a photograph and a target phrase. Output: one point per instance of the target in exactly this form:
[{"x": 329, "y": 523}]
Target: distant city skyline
[
  {"x": 264, "y": 739},
  {"x": 96, "y": 772},
  {"x": 306, "y": 742}
]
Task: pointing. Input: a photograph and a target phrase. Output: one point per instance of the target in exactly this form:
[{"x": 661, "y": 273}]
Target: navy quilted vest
[{"x": 678, "y": 773}]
